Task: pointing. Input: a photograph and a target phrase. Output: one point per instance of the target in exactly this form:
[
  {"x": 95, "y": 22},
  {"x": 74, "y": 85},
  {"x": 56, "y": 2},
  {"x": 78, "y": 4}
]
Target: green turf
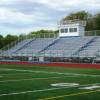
[{"x": 34, "y": 83}]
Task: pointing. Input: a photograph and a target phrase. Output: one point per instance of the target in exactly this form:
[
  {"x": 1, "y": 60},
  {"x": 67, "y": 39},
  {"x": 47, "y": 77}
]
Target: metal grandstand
[{"x": 47, "y": 48}]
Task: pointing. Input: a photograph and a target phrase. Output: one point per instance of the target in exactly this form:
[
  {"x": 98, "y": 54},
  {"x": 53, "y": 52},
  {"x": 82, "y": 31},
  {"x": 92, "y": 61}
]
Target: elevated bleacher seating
[
  {"x": 66, "y": 47},
  {"x": 57, "y": 47},
  {"x": 36, "y": 46},
  {"x": 17, "y": 46},
  {"x": 91, "y": 49}
]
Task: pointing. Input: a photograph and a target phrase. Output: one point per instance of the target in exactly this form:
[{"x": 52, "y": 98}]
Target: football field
[{"x": 23, "y": 82}]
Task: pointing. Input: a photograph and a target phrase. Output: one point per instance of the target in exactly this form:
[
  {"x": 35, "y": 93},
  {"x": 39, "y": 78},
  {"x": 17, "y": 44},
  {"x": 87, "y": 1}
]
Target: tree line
[
  {"x": 92, "y": 23},
  {"x": 12, "y": 38}
]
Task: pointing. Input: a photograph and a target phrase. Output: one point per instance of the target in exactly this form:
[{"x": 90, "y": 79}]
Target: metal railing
[
  {"x": 76, "y": 21},
  {"x": 92, "y": 33},
  {"x": 31, "y": 36}
]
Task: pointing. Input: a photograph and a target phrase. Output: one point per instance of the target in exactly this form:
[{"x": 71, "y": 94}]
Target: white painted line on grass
[
  {"x": 43, "y": 90},
  {"x": 25, "y": 92},
  {"x": 84, "y": 75},
  {"x": 17, "y": 74},
  {"x": 4, "y": 81}
]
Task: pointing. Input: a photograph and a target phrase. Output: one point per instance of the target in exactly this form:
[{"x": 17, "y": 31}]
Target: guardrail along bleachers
[
  {"x": 91, "y": 50},
  {"x": 66, "y": 47},
  {"x": 17, "y": 46},
  {"x": 36, "y": 46}
]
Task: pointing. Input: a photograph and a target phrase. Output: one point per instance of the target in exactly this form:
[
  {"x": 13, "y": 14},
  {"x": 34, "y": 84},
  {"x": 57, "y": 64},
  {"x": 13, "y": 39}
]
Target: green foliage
[
  {"x": 82, "y": 15},
  {"x": 7, "y": 40},
  {"x": 93, "y": 21},
  {"x": 97, "y": 21},
  {"x": 10, "y": 38},
  {"x": 44, "y": 33},
  {"x": 1, "y": 41}
]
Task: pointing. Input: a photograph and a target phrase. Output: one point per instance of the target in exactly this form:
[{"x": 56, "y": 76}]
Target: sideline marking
[
  {"x": 43, "y": 90},
  {"x": 18, "y": 74},
  {"x": 69, "y": 95},
  {"x": 25, "y": 92},
  {"x": 34, "y": 79},
  {"x": 85, "y": 75}
]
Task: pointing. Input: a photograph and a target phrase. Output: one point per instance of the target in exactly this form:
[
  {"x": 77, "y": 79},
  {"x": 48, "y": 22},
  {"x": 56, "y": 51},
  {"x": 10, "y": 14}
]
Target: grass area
[{"x": 20, "y": 82}]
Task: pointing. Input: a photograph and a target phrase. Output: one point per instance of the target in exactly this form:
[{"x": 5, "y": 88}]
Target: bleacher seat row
[{"x": 60, "y": 47}]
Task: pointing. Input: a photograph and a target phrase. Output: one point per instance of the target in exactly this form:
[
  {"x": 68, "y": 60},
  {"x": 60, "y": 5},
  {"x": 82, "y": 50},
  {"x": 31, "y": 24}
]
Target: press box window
[
  {"x": 66, "y": 30},
  {"x": 62, "y": 31},
  {"x": 72, "y": 29},
  {"x": 75, "y": 29}
]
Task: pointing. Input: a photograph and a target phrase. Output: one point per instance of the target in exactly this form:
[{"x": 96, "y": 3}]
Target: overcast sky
[{"x": 24, "y": 16}]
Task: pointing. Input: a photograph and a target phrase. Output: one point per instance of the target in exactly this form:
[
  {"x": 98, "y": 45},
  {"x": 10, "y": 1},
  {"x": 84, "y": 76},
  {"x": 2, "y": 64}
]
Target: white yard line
[
  {"x": 17, "y": 74},
  {"x": 34, "y": 79},
  {"x": 25, "y": 92},
  {"x": 85, "y": 75},
  {"x": 43, "y": 90}
]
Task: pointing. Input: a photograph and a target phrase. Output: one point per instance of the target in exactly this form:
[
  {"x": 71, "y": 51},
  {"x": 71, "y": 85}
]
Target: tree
[
  {"x": 45, "y": 33},
  {"x": 10, "y": 38},
  {"x": 97, "y": 21},
  {"x": 93, "y": 22},
  {"x": 81, "y": 15},
  {"x": 1, "y": 41}
]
